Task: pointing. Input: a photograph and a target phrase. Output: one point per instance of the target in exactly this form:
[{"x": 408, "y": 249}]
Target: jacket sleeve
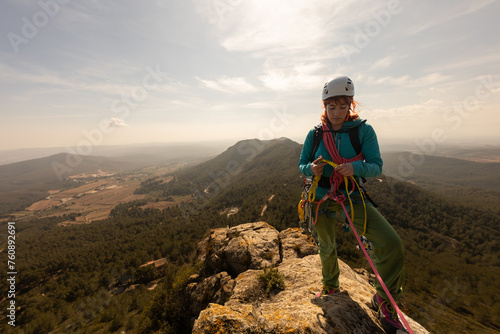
[
  {"x": 372, "y": 164},
  {"x": 305, "y": 156}
]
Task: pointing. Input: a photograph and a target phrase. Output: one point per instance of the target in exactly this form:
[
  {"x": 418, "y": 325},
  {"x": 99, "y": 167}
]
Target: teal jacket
[{"x": 371, "y": 166}]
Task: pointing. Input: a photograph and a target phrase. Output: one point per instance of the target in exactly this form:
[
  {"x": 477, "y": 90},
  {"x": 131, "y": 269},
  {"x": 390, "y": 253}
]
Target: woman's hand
[
  {"x": 317, "y": 166},
  {"x": 345, "y": 169}
]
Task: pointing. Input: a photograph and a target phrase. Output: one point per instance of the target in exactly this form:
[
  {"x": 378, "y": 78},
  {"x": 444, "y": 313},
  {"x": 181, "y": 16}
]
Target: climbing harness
[{"x": 309, "y": 195}]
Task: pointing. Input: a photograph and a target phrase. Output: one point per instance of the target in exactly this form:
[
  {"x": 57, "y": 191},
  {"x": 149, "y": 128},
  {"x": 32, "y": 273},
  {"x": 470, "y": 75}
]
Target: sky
[{"x": 79, "y": 74}]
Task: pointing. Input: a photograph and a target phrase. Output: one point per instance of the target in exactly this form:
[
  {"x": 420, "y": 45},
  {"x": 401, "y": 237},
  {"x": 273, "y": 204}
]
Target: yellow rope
[
  {"x": 350, "y": 202},
  {"x": 311, "y": 196},
  {"x": 312, "y": 192}
]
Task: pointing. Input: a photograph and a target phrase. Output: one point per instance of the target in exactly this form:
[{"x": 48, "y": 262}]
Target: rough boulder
[
  {"x": 238, "y": 303},
  {"x": 251, "y": 246}
]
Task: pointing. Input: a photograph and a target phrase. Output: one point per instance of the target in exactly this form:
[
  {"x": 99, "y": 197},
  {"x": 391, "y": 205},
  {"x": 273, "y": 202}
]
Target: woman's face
[{"x": 337, "y": 113}]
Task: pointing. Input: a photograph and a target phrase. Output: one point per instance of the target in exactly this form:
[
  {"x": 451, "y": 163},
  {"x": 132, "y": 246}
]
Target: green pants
[{"x": 387, "y": 245}]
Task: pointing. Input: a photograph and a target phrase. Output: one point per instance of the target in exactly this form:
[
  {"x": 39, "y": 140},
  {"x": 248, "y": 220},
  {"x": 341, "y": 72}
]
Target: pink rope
[
  {"x": 336, "y": 178},
  {"x": 341, "y": 201}
]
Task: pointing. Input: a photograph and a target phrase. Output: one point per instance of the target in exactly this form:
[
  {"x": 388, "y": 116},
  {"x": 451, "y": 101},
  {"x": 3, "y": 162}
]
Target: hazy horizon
[
  {"x": 382, "y": 142},
  {"x": 424, "y": 146},
  {"x": 119, "y": 73}
]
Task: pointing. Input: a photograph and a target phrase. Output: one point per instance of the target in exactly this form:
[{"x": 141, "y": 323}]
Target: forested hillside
[
  {"x": 472, "y": 183},
  {"x": 93, "y": 277},
  {"x": 452, "y": 267}
]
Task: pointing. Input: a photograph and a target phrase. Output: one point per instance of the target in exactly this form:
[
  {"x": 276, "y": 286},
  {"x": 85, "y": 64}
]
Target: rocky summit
[{"x": 230, "y": 298}]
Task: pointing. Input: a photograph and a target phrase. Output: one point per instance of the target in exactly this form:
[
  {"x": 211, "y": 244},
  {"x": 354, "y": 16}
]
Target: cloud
[
  {"x": 282, "y": 27},
  {"x": 229, "y": 85},
  {"x": 460, "y": 9},
  {"x": 382, "y": 63},
  {"x": 272, "y": 26},
  {"x": 293, "y": 28},
  {"x": 262, "y": 105},
  {"x": 293, "y": 77},
  {"x": 425, "y": 111},
  {"x": 490, "y": 59},
  {"x": 242, "y": 59},
  {"x": 298, "y": 42},
  {"x": 116, "y": 123},
  {"x": 405, "y": 81}
]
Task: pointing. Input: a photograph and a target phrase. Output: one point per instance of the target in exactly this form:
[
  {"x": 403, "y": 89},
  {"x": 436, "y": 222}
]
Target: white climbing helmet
[{"x": 339, "y": 86}]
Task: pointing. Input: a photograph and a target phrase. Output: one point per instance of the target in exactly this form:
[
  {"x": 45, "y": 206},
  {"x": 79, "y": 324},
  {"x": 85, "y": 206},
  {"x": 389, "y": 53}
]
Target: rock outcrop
[
  {"x": 238, "y": 303},
  {"x": 251, "y": 246}
]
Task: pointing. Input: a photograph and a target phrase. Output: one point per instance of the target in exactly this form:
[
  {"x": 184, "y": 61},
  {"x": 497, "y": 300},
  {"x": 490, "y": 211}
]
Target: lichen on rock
[{"x": 246, "y": 309}]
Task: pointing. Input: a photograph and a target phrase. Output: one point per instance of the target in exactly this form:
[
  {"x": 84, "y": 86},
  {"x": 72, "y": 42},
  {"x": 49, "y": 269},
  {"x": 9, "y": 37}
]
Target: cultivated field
[
  {"x": 90, "y": 202},
  {"x": 99, "y": 194},
  {"x": 94, "y": 200}
]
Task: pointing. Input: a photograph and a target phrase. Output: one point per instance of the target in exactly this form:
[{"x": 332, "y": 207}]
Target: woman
[{"x": 338, "y": 119}]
